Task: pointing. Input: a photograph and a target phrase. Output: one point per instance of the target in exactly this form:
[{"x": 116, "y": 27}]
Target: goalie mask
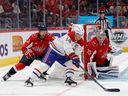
[{"x": 101, "y": 37}]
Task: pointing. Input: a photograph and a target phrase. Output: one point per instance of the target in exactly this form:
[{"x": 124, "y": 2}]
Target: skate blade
[
  {"x": 3, "y": 80},
  {"x": 72, "y": 85},
  {"x": 28, "y": 85}
]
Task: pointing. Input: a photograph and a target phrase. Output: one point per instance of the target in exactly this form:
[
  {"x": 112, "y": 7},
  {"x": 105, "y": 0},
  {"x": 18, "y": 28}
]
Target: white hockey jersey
[{"x": 65, "y": 46}]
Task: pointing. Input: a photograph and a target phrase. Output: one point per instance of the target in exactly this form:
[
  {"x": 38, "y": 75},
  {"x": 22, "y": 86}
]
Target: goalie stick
[{"x": 105, "y": 89}]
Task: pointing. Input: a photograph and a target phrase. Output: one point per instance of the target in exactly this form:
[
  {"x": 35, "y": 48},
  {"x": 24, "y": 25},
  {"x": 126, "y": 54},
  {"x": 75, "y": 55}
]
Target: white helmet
[{"x": 77, "y": 28}]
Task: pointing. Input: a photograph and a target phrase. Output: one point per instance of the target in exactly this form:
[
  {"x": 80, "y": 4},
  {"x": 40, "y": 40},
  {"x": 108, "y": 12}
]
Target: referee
[{"x": 105, "y": 24}]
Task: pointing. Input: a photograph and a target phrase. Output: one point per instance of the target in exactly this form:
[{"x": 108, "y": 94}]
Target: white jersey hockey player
[{"x": 64, "y": 50}]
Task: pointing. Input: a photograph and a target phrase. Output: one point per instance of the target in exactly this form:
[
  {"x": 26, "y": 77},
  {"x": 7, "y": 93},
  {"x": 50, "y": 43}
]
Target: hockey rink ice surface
[{"x": 15, "y": 85}]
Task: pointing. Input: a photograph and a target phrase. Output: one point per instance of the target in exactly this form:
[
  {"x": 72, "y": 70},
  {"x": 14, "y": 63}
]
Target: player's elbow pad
[{"x": 23, "y": 50}]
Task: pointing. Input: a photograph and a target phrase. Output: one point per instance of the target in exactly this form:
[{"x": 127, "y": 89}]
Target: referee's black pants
[{"x": 107, "y": 34}]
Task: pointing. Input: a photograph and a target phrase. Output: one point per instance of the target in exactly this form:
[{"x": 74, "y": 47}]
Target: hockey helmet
[
  {"x": 42, "y": 27},
  {"x": 99, "y": 35},
  {"x": 77, "y": 28}
]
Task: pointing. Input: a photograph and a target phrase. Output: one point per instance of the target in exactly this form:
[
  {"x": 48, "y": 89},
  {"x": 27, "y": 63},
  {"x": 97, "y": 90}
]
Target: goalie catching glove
[{"x": 91, "y": 67}]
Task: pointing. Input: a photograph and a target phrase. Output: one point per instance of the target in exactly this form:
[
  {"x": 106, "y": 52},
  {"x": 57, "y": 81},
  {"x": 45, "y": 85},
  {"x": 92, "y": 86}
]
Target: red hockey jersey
[
  {"x": 101, "y": 54},
  {"x": 37, "y": 45},
  {"x": 91, "y": 46},
  {"x": 101, "y": 51}
]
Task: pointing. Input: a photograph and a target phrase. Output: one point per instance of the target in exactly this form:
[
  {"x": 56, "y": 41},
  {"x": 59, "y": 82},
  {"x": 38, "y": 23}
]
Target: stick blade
[{"x": 113, "y": 90}]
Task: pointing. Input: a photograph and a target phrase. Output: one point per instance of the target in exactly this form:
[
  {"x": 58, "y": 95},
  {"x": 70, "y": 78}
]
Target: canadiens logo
[{"x": 119, "y": 36}]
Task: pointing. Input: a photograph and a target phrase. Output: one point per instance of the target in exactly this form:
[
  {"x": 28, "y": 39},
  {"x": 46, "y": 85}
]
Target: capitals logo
[{"x": 119, "y": 36}]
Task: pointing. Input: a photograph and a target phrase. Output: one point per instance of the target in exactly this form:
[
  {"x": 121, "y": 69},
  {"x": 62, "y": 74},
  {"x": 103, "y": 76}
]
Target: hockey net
[{"x": 57, "y": 71}]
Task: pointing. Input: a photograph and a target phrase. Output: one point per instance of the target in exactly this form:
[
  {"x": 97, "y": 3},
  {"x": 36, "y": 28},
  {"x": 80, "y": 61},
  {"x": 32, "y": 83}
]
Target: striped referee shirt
[{"x": 104, "y": 23}]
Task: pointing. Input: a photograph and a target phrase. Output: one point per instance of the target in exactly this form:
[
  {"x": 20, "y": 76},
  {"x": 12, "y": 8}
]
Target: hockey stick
[{"x": 105, "y": 89}]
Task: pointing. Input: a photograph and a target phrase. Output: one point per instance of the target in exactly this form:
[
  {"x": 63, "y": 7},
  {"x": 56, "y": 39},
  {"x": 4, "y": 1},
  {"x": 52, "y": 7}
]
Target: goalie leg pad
[
  {"x": 109, "y": 68},
  {"x": 109, "y": 73}
]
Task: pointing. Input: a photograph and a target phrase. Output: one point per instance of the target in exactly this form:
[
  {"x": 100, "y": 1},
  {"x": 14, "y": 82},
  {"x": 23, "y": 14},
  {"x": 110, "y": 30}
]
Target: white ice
[{"x": 15, "y": 85}]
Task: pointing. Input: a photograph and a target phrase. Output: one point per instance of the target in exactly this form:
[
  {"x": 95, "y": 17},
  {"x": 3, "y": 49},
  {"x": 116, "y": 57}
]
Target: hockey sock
[
  {"x": 70, "y": 72},
  {"x": 20, "y": 66},
  {"x": 69, "y": 80},
  {"x": 36, "y": 73},
  {"x": 16, "y": 68},
  {"x": 39, "y": 72},
  {"x": 12, "y": 71}
]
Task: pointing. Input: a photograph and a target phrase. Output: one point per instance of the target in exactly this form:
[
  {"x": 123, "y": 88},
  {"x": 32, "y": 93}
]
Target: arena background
[{"x": 19, "y": 19}]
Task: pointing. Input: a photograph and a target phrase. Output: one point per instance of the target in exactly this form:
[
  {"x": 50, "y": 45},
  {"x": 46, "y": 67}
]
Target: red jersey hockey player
[
  {"x": 92, "y": 46},
  {"x": 62, "y": 50},
  {"x": 32, "y": 49},
  {"x": 100, "y": 62}
]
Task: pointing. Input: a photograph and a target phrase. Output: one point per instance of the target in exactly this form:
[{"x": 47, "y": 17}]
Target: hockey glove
[
  {"x": 76, "y": 60},
  {"x": 29, "y": 54},
  {"x": 92, "y": 70}
]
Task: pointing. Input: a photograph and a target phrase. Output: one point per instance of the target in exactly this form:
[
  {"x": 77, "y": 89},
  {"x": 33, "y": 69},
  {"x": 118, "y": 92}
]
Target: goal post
[{"x": 90, "y": 31}]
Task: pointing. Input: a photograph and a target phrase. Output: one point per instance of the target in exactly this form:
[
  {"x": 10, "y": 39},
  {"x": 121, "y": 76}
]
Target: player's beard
[{"x": 42, "y": 36}]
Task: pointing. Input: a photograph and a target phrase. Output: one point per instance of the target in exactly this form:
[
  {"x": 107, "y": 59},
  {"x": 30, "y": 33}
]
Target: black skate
[
  {"x": 70, "y": 82},
  {"x": 29, "y": 82},
  {"x": 6, "y": 77}
]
